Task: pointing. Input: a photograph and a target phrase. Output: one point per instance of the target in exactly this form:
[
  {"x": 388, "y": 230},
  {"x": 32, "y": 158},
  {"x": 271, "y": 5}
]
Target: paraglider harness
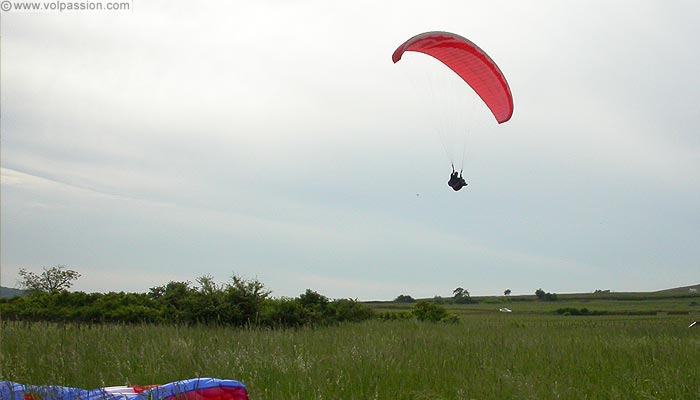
[{"x": 456, "y": 181}]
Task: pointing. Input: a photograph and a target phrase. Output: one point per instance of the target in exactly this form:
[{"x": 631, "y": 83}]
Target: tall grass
[{"x": 483, "y": 357}]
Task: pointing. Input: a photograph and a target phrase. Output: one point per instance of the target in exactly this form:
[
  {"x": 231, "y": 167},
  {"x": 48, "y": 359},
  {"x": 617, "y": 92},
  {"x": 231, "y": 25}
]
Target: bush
[
  {"x": 465, "y": 300},
  {"x": 427, "y": 311},
  {"x": 450, "y": 319},
  {"x": 284, "y": 313},
  {"x": 348, "y": 310},
  {"x": 545, "y": 296},
  {"x": 395, "y": 316}
]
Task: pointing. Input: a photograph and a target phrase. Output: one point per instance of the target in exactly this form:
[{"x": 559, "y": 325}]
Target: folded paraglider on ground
[{"x": 190, "y": 389}]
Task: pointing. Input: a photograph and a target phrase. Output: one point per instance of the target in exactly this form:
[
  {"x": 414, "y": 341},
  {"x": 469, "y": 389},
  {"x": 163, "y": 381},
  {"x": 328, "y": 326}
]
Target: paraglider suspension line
[{"x": 464, "y": 154}]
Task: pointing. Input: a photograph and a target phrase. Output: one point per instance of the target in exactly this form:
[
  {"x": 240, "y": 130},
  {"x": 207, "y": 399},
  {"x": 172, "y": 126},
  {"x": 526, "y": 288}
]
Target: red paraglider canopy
[{"x": 469, "y": 62}]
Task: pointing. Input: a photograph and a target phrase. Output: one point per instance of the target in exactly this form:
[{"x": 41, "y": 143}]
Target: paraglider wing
[
  {"x": 197, "y": 389},
  {"x": 468, "y": 61},
  {"x": 190, "y": 389}
]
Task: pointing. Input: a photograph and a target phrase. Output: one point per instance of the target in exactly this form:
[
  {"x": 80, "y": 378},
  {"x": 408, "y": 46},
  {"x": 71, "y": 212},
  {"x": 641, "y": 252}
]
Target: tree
[
  {"x": 404, "y": 298},
  {"x": 245, "y": 298},
  {"x": 52, "y": 280},
  {"x": 507, "y": 292},
  {"x": 460, "y": 292},
  {"x": 545, "y": 296},
  {"x": 461, "y": 296}
]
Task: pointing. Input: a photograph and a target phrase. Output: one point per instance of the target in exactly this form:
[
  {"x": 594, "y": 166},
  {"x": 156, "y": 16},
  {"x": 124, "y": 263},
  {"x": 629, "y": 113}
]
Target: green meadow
[
  {"x": 531, "y": 353},
  {"x": 626, "y": 304}
]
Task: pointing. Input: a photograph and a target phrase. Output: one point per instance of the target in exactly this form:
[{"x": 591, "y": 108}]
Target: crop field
[{"x": 485, "y": 356}]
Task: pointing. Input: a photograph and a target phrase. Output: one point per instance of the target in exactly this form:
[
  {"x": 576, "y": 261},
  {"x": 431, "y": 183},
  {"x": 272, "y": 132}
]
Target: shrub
[
  {"x": 348, "y": 310},
  {"x": 545, "y": 296},
  {"x": 395, "y": 316},
  {"x": 427, "y": 311}
]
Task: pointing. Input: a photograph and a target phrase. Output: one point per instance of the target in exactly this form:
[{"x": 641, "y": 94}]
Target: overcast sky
[{"x": 276, "y": 140}]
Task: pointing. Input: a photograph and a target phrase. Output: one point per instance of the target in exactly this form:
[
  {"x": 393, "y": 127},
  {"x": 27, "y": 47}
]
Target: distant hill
[
  {"x": 602, "y": 294},
  {"x": 680, "y": 290},
  {"x": 677, "y": 291},
  {"x": 672, "y": 292},
  {"x": 9, "y": 293}
]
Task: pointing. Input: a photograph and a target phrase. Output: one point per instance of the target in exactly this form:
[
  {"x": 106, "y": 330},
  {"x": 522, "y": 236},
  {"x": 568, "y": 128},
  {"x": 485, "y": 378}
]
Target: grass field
[
  {"x": 485, "y": 356},
  {"x": 619, "y": 304}
]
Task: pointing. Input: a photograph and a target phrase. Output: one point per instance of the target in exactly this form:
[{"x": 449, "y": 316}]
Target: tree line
[{"x": 240, "y": 302}]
